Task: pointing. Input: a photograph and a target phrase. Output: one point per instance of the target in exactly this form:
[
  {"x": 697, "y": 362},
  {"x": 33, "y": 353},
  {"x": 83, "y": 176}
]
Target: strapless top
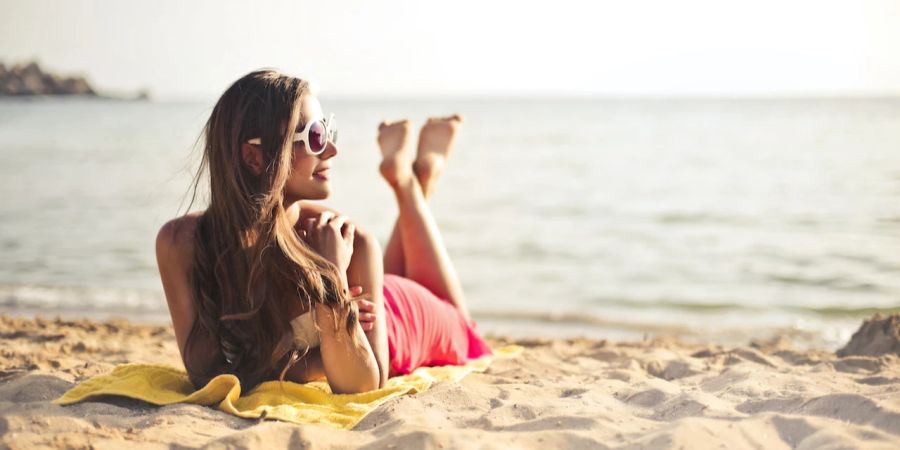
[{"x": 305, "y": 332}]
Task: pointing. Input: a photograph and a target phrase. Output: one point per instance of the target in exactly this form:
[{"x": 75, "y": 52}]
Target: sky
[{"x": 182, "y": 49}]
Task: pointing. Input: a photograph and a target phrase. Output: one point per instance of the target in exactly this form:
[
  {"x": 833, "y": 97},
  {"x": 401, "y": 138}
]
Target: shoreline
[
  {"x": 595, "y": 393},
  {"x": 524, "y": 326}
]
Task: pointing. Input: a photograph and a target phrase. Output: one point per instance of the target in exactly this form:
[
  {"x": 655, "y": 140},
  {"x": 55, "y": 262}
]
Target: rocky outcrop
[
  {"x": 29, "y": 79},
  {"x": 877, "y": 336}
]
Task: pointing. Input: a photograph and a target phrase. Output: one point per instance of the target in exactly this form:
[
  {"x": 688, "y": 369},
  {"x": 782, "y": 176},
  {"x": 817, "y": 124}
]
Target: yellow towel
[{"x": 288, "y": 401}]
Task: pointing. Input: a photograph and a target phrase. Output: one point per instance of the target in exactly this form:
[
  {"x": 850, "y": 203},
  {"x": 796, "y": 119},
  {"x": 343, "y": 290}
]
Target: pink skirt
[{"x": 424, "y": 330}]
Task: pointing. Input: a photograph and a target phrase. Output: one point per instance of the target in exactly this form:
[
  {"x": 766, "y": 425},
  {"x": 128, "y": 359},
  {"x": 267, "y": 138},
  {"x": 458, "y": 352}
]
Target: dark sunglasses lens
[{"x": 317, "y": 138}]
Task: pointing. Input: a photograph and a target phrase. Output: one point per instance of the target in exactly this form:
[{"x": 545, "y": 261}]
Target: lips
[{"x": 323, "y": 173}]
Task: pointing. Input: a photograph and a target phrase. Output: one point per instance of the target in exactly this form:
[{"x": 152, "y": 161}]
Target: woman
[{"x": 267, "y": 285}]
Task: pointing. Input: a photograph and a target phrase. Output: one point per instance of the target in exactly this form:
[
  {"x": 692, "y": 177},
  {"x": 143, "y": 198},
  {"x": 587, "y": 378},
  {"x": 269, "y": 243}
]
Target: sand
[{"x": 577, "y": 393}]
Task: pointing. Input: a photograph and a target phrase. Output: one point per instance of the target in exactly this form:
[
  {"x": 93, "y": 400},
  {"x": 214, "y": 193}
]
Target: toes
[
  {"x": 396, "y": 123},
  {"x": 446, "y": 119}
]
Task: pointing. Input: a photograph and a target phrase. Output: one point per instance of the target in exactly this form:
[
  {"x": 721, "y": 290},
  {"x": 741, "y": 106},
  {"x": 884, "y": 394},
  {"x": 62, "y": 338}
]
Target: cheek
[
  {"x": 303, "y": 167},
  {"x": 300, "y": 182}
]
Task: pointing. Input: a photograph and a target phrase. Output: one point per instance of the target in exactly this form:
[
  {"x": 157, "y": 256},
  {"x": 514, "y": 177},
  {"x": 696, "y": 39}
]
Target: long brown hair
[{"x": 249, "y": 263}]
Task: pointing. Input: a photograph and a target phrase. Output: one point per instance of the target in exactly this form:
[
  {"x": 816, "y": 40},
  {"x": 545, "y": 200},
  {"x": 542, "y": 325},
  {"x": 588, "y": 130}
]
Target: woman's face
[{"x": 310, "y": 174}]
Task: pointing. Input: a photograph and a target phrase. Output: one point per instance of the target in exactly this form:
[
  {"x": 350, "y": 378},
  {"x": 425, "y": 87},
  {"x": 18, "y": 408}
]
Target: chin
[{"x": 318, "y": 194}]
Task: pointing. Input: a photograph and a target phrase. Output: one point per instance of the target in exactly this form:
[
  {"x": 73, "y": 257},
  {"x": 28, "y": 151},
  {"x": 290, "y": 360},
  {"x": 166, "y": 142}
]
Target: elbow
[
  {"x": 357, "y": 388},
  {"x": 371, "y": 386},
  {"x": 369, "y": 380},
  {"x": 366, "y": 378}
]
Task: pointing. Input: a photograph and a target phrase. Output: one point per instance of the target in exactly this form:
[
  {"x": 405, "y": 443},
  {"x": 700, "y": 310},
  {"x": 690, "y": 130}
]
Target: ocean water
[{"x": 711, "y": 219}]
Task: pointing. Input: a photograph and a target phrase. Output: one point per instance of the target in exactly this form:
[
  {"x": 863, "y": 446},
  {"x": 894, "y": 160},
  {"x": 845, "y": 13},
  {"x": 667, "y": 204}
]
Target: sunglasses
[{"x": 315, "y": 134}]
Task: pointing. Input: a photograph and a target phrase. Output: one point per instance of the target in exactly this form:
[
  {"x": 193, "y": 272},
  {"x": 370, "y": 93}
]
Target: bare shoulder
[
  {"x": 175, "y": 240},
  {"x": 174, "y": 256}
]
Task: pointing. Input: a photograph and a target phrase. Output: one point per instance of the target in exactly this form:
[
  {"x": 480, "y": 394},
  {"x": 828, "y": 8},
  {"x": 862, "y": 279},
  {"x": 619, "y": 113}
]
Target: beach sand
[{"x": 575, "y": 393}]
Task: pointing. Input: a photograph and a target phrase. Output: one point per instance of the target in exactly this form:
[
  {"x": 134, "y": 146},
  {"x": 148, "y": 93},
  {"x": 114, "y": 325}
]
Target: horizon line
[{"x": 569, "y": 96}]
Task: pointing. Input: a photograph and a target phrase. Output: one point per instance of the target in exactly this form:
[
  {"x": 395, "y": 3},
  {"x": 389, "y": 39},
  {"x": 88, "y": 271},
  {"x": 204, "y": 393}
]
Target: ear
[{"x": 252, "y": 156}]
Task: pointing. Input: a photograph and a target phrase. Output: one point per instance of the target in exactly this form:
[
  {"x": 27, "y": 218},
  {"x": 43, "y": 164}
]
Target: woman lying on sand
[{"x": 266, "y": 284}]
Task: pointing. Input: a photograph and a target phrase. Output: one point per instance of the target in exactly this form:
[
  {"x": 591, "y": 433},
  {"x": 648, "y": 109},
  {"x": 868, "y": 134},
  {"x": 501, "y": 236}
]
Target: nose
[{"x": 331, "y": 151}]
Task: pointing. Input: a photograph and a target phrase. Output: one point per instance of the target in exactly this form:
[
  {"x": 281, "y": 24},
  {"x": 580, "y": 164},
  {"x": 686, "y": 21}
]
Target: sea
[{"x": 720, "y": 220}]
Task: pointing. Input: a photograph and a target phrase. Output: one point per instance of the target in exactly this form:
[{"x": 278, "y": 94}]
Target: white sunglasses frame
[{"x": 303, "y": 135}]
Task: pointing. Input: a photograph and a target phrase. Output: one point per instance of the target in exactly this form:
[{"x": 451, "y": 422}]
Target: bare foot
[
  {"x": 435, "y": 143},
  {"x": 393, "y": 138}
]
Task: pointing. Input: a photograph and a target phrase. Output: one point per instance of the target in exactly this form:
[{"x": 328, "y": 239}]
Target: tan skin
[{"x": 349, "y": 365}]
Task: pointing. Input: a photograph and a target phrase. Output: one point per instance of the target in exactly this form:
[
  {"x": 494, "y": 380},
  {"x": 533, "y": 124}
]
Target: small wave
[
  {"x": 841, "y": 311},
  {"x": 799, "y": 326},
  {"x": 870, "y": 261},
  {"x": 701, "y": 218},
  {"x": 73, "y": 298},
  {"x": 568, "y": 210},
  {"x": 837, "y": 283},
  {"x": 529, "y": 250},
  {"x": 712, "y": 308},
  {"x": 582, "y": 318},
  {"x": 684, "y": 305}
]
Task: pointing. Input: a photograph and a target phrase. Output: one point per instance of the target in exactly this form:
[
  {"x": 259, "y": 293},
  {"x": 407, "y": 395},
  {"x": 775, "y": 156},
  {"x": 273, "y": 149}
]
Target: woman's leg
[
  {"x": 416, "y": 249},
  {"x": 436, "y": 140}
]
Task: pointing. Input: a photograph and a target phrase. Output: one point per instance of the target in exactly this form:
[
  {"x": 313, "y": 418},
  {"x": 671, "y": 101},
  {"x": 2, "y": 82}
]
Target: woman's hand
[
  {"x": 365, "y": 308},
  {"x": 334, "y": 241},
  {"x": 331, "y": 236},
  {"x": 366, "y": 314}
]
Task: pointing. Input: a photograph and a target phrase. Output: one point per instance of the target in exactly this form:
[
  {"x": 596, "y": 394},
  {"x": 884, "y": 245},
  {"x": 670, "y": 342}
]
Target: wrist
[{"x": 345, "y": 285}]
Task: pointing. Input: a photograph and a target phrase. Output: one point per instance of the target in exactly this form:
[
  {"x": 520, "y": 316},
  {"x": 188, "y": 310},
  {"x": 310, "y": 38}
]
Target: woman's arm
[
  {"x": 365, "y": 270},
  {"x": 348, "y": 360},
  {"x": 173, "y": 256},
  {"x": 201, "y": 356}
]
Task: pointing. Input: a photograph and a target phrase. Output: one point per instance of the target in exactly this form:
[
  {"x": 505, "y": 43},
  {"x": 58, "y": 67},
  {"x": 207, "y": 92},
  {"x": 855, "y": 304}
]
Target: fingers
[
  {"x": 324, "y": 218},
  {"x": 348, "y": 232},
  {"x": 365, "y": 306},
  {"x": 328, "y": 218},
  {"x": 331, "y": 235},
  {"x": 337, "y": 222},
  {"x": 366, "y": 314},
  {"x": 344, "y": 228},
  {"x": 308, "y": 226}
]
